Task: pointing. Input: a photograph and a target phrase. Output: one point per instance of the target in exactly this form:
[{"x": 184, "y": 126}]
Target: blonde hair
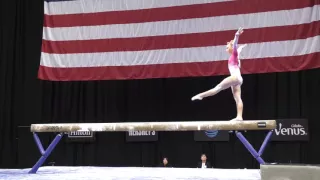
[{"x": 231, "y": 44}]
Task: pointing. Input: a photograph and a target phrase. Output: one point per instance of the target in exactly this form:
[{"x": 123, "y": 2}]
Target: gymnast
[{"x": 234, "y": 80}]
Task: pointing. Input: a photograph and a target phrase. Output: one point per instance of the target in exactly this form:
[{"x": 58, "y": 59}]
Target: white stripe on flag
[
  {"x": 197, "y": 25},
  {"x": 184, "y": 55},
  {"x": 90, "y": 6}
]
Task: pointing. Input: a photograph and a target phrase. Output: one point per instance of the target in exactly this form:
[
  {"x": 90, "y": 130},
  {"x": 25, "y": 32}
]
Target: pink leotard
[
  {"x": 233, "y": 63},
  {"x": 233, "y": 59}
]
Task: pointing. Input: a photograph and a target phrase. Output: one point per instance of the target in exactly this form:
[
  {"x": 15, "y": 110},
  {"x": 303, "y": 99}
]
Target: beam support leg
[
  {"x": 254, "y": 153},
  {"x": 44, "y": 153}
]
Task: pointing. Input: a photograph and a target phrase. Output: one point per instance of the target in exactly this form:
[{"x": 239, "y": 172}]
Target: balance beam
[
  {"x": 157, "y": 126},
  {"x": 152, "y": 126}
]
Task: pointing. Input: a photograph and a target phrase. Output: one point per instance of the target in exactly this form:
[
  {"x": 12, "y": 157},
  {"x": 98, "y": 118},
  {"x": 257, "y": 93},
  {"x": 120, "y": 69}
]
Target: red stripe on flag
[
  {"x": 174, "y": 13},
  {"x": 265, "y": 65},
  {"x": 280, "y": 33}
]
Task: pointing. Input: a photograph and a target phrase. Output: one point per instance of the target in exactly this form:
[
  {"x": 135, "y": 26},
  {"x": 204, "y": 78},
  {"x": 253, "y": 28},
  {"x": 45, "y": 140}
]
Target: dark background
[{"x": 25, "y": 100}]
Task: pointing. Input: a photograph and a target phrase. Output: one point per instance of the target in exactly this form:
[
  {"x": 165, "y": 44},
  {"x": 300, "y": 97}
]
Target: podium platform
[{"x": 290, "y": 172}]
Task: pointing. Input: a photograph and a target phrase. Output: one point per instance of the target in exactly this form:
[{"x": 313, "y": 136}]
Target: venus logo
[
  {"x": 212, "y": 133},
  {"x": 291, "y": 130},
  {"x": 294, "y": 130}
]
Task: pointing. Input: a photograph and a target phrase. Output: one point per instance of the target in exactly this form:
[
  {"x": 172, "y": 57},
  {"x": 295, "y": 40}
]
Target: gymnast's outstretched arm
[{"x": 236, "y": 39}]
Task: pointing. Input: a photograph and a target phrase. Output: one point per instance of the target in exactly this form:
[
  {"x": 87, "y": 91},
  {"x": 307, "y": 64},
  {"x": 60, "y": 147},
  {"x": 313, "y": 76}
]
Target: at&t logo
[{"x": 211, "y": 133}]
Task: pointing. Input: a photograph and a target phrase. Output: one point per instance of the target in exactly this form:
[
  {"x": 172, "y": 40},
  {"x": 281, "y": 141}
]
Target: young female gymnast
[{"x": 234, "y": 80}]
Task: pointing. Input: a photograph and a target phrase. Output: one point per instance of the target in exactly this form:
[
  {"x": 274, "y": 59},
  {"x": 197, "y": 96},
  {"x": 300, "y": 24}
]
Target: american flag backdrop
[{"x": 138, "y": 39}]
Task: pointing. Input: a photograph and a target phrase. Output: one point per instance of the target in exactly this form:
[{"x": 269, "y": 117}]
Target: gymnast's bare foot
[
  {"x": 196, "y": 97},
  {"x": 237, "y": 119}
]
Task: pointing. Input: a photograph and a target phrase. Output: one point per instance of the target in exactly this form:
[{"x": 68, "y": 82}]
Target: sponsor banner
[
  {"x": 211, "y": 135},
  {"x": 291, "y": 130},
  {"x": 80, "y": 136},
  {"x": 141, "y": 136}
]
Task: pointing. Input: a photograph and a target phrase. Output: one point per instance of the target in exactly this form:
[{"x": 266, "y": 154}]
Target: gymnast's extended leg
[
  {"x": 236, "y": 91},
  {"x": 224, "y": 84}
]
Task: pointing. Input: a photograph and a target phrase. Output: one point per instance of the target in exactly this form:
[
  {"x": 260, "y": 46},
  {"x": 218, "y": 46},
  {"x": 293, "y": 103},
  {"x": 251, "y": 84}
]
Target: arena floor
[{"x": 126, "y": 173}]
